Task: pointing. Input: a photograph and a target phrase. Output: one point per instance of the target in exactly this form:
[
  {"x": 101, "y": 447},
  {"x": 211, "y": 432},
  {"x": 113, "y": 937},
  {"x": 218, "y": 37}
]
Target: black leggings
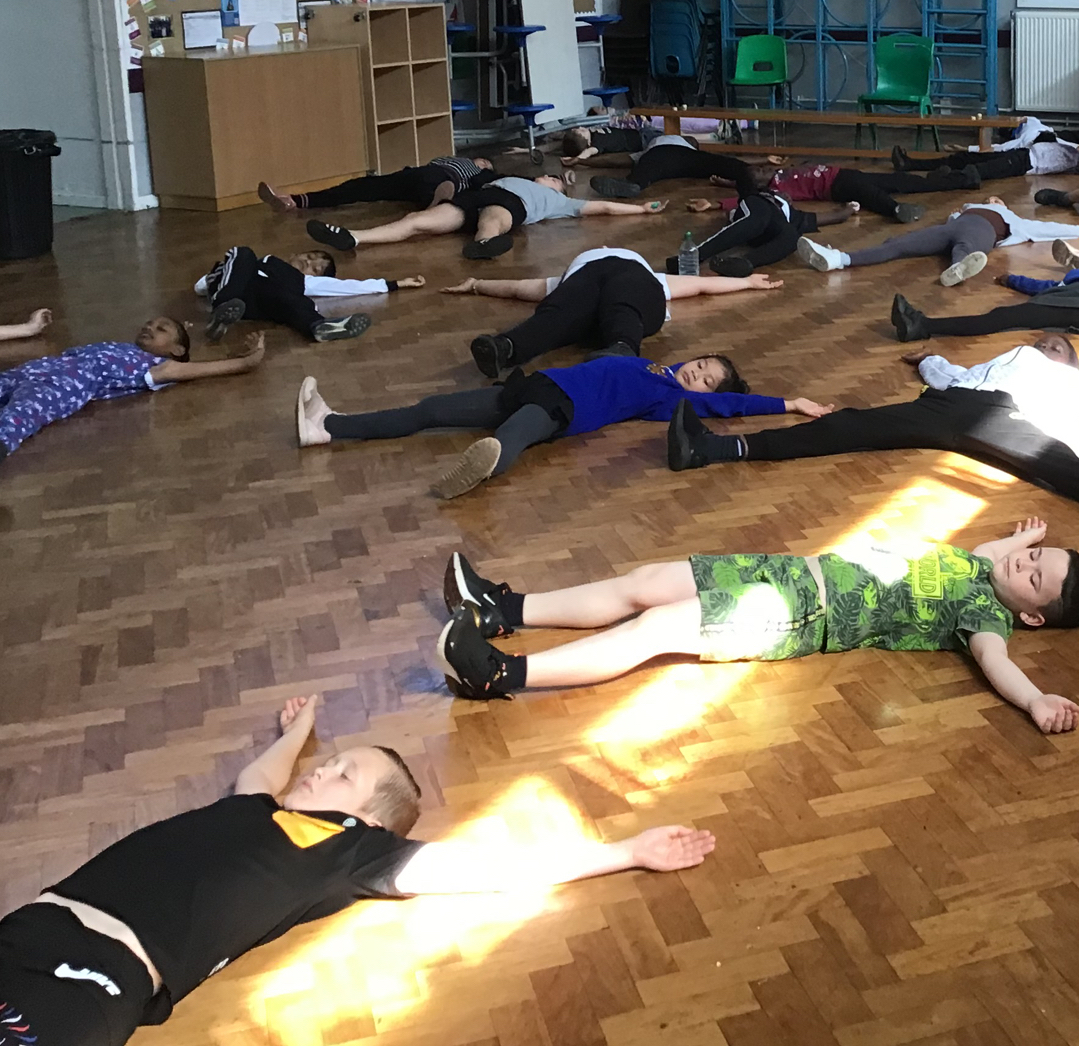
[
  {"x": 607, "y": 300},
  {"x": 981, "y": 425},
  {"x": 1027, "y": 316},
  {"x": 873, "y": 190},
  {"x": 275, "y": 295},
  {"x": 516, "y": 430},
  {"x": 762, "y": 227},
  {"x": 410, "y": 185},
  {"x": 39, "y": 941},
  {"x": 1011, "y": 163},
  {"x": 678, "y": 161}
]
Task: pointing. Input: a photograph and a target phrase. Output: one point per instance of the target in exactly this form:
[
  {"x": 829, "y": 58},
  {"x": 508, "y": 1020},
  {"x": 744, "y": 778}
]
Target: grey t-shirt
[{"x": 540, "y": 202}]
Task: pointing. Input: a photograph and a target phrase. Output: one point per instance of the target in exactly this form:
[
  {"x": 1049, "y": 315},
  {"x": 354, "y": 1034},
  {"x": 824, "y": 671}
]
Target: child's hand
[
  {"x": 915, "y": 356},
  {"x": 256, "y": 349},
  {"x": 854, "y": 206},
  {"x": 412, "y": 281},
  {"x": 1054, "y": 714},
  {"x": 38, "y": 321},
  {"x": 1035, "y": 527},
  {"x": 1002, "y": 279},
  {"x": 299, "y": 714},
  {"x": 951, "y": 147},
  {"x": 654, "y": 207},
  {"x": 808, "y": 407},
  {"x": 761, "y": 281},
  {"x": 570, "y": 161},
  {"x": 698, "y": 205},
  {"x": 468, "y": 287}
]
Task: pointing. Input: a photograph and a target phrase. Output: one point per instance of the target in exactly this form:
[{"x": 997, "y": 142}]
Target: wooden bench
[{"x": 984, "y": 125}]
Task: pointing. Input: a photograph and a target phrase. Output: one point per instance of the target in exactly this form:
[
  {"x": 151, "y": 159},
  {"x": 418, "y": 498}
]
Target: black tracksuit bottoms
[
  {"x": 982, "y": 425},
  {"x": 270, "y": 289},
  {"x": 409, "y": 185}
]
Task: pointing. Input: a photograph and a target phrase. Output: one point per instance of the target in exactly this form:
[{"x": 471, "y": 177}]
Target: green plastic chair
[
  {"x": 761, "y": 61},
  {"x": 904, "y": 63}
]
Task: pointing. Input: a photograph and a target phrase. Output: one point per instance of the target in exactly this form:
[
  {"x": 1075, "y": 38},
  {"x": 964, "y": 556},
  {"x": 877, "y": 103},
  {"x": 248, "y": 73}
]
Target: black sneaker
[
  {"x": 331, "y": 235},
  {"x": 463, "y": 585},
  {"x": 619, "y": 188},
  {"x": 900, "y": 160},
  {"x": 223, "y": 316},
  {"x": 337, "y": 330},
  {"x": 493, "y": 353},
  {"x": 972, "y": 177},
  {"x": 1051, "y": 198},
  {"x": 671, "y": 266},
  {"x": 472, "y": 666},
  {"x": 475, "y": 250},
  {"x": 910, "y": 323},
  {"x": 730, "y": 265},
  {"x": 681, "y": 433},
  {"x": 909, "y": 212}
]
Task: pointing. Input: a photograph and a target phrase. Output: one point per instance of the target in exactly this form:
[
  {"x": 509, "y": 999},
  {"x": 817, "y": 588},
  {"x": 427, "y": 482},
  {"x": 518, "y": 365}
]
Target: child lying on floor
[
  {"x": 242, "y": 287},
  {"x": 554, "y": 402},
  {"x": 44, "y": 390},
  {"x": 759, "y": 607}
]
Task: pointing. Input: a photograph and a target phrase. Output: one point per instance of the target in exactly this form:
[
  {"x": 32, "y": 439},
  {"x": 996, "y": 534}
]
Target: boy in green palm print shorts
[{"x": 773, "y": 607}]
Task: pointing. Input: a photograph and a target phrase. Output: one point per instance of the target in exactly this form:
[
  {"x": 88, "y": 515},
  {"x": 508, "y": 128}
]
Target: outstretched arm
[
  {"x": 838, "y": 216},
  {"x": 38, "y": 321},
  {"x": 173, "y": 370},
  {"x": 1032, "y": 532},
  {"x": 270, "y": 773},
  {"x": 1025, "y": 284},
  {"x": 1051, "y": 713},
  {"x": 468, "y": 868},
  {"x": 522, "y": 290},
  {"x": 598, "y": 207},
  {"x": 691, "y": 286}
]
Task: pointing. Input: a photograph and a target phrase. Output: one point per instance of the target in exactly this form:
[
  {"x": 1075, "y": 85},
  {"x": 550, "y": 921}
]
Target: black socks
[
  {"x": 714, "y": 447},
  {"x": 514, "y": 672},
  {"x": 512, "y": 605}
]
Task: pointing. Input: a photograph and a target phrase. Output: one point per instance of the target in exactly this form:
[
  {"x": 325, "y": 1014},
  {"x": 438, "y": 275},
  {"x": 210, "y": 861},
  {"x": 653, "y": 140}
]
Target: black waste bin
[{"x": 26, "y": 192}]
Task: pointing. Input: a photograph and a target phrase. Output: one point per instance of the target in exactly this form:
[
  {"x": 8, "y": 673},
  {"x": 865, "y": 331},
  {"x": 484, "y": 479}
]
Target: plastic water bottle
[{"x": 689, "y": 261}]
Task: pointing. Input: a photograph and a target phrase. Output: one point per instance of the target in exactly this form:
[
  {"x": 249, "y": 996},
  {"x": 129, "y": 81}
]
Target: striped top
[{"x": 460, "y": 168}]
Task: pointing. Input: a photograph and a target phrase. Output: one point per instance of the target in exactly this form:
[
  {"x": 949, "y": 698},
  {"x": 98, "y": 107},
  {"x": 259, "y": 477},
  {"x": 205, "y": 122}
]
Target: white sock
[{"x": 844, "y": 260}]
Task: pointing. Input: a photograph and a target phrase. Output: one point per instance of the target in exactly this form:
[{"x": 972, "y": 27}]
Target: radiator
[{"x": 1045, "y": 60}]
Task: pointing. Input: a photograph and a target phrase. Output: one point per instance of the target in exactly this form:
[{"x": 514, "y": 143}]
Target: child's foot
[
  {"x": 1065, "y": 254},
  {"x": 619, "y": 188},
  {"x": 311, "y": 414},
  {"x": 463, "y": 585},
  {"x": 963, "y": 269},
  {"x": 474, "y": 466},
  {"x": 1052, "y": 198},
  {"x": 819, "y": 257},
  {"x": 337, "y": 330},
  {"x": 909, "y": 212},
  {"x": 900, "y": 160},
  {"x": 223, "y": 317},
  {"x": 730, "y": 265},
  {"x": 910, "y": 323},
  {"x": 493, "y": 353},
  {"x": 331, "y": 235},
  {"x": 492, "y": 248},
  {"x": 972, "y": 177},
  {"x": 474, "y": 669},
  {"x": 280, "y": 202}
]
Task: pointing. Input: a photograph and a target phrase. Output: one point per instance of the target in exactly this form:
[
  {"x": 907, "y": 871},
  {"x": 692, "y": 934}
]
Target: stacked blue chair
[
  {"x": 676, "y": 39},
  {"x": 605, "y": 93}
]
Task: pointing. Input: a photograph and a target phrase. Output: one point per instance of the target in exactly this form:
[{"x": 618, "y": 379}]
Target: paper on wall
[
  {"x": 157, "y": 48},
  {"x": 255, "y": 11}
]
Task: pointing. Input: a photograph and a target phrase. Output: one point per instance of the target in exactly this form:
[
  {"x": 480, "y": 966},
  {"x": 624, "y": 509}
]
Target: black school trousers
[
  {"x": 409, "y": 185},
  {"x": 982, "y": 425},
  {"x": 1025, "y": 316},
  {"x": 270, "y": 289},
  {"x": 1009, "y": 163},
  {"x": 607, "y": 300},
  {"x": 679, "y": 161},
  {"x": 874, "y": 189},
  {"x": 763, "y": 229}
]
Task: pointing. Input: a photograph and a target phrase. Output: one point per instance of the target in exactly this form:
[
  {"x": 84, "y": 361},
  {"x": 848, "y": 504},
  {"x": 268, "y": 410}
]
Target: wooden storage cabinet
[
  {"x": 403, "y": 50},
  {"x": 219, "y": 123}
]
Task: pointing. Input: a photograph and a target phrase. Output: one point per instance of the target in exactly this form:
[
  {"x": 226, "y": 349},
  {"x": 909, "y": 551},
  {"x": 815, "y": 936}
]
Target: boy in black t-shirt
[{"x": 135, "y": 929}]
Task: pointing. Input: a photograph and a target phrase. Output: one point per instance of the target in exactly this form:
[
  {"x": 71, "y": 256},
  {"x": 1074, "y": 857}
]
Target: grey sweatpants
[{"x": 961, "y": 236}]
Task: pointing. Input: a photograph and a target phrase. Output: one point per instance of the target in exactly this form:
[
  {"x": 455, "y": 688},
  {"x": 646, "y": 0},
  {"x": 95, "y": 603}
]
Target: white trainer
[
  {"x": 962, "y": 270},
  {"x": 311, "y": 414},
  {"x": 821, "y": 258},
  {"x": 1065, "y": 254}
]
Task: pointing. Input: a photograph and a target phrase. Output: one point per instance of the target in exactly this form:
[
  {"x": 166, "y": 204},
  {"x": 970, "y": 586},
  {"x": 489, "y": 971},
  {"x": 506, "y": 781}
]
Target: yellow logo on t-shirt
[
  {"x": 926, "y": 580},
  {"x": 304, "y": 831}
]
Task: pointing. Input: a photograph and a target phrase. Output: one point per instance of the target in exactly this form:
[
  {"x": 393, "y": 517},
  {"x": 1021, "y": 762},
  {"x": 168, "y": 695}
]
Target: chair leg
[
  {"x": 936, "y": 138},
  {"x": 918, "y": 137},
  {"x": 873, "y": 132}
]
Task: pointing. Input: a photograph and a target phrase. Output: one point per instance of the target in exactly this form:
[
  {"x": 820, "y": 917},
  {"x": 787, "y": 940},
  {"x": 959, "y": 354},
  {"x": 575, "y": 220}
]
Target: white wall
[{"x": 62, "y": 69}]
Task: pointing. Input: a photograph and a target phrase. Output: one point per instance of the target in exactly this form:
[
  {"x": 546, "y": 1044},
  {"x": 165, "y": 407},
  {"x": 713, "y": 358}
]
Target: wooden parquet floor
[{"x": 897, "y": 858}]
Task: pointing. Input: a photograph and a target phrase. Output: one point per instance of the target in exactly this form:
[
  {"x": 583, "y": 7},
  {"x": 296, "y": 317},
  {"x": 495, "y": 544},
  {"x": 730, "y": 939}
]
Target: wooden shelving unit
[{"x": 403, "y": 53}]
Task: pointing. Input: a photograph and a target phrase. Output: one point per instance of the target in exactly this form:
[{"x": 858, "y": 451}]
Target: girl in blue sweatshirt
[{"x": 557, "y": 401}]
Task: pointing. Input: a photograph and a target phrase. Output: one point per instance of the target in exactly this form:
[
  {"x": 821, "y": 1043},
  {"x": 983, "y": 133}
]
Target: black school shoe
[
  {"x": 684, "y": 427},
  {"x": 472, "y": 666},
  {"x": 1051, "y": 198},
  {"x": 223, "y": 316},
  {"x": 900, "y": 160},
  {"x": 909, "y": 212},
  {"x": 909, "y": 322},
  {"x": 337, "y": 330},
  {"x": 463, "y": 585},
  {"x": 331, "y": 235},
  {"x": 619, "y": 188},
  {"x": 493, "y": 353},
  {"x": 492, "y": 248},
  {"x": 730, "y": 265}
]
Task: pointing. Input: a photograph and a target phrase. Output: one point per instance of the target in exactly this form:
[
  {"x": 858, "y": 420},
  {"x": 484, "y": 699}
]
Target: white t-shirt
[{"x": 596, "y": 254}]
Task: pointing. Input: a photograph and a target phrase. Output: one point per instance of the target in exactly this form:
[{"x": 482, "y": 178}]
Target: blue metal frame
[{"x": 971, "y": 25}]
